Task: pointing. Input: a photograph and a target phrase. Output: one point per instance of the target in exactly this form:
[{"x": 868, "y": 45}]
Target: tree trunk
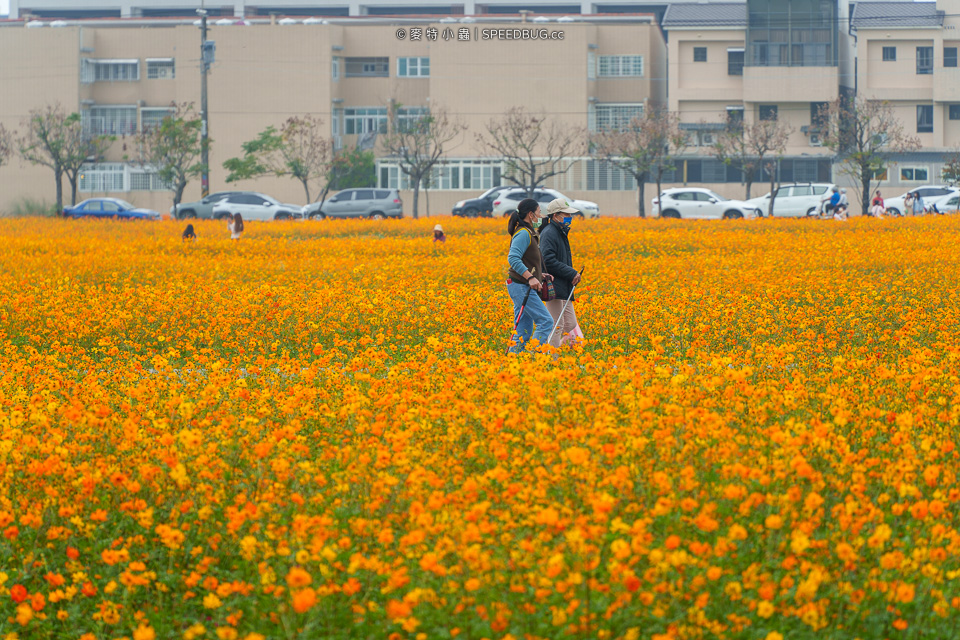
[
  {"x": 773, "y": 193},
  {"x": 73, "y": 190},
  {"x": 426, "y": 196},
  {"x": 749, "y": 183},
  {"x": 178, "y": 193},
  {"x": 306, "y": 189},
  {"x": 58, "y": 174},
  {"x": 865, "y": 193},
  {"x": 416, "y": 197},
  {"x": 641, "y": 210}
]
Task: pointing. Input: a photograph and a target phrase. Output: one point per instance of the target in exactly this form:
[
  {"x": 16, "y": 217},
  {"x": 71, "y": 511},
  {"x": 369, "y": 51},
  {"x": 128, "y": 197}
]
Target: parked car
[
  {"x": 201, "y": 208},
  {"x": 694, "y": 202},
  {"x": 256, "y": 206},
  {"x": 376, "y": 204},
  {"x": 949, "y": 203},
  {"x": 109, "y": 208},
  {"x": 928, "y": 192},
  {"x": 507, "y": 201},
  {"x": 479, "y": 206},
  {"x": 794, "y": 200}
]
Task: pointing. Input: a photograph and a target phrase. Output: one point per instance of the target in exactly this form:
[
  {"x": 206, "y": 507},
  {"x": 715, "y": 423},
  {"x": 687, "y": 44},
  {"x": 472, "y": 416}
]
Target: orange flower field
[{"x": 314, "y": 433}]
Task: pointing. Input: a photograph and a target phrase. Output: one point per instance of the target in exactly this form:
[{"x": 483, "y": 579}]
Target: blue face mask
[{"x": 567, "y": 220}]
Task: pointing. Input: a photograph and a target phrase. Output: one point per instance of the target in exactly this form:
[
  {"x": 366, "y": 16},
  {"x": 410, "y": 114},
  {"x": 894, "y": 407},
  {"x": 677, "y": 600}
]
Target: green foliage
[
  {"x": 174, "y": 149},
  {"x": 252, "y": 164},
  {"x": 352, "y": 169},
  {"x": 25, "y": 207}
]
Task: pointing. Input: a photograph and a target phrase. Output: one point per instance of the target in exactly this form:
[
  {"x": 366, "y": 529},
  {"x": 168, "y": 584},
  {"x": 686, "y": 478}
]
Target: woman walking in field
[
  {"x": 876, "y": 206},
  {"x": 526, "y": 276}
]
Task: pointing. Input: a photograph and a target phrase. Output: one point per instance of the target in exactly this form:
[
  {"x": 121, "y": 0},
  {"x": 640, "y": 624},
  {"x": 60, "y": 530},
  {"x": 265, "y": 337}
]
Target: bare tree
[
  {"x": 418, "y": 143},
  {"x": 532, "y": 149},
  {"x": 52, "y": 138},
  {"x": 646, "y": 147},
  {"x": 752, "y": 147},
  {"x": 865, "y": 134},
  {"x": 300, "y": 150},
  {"x": 173, "y": 148},
  {"x": 951, "y": 168}
]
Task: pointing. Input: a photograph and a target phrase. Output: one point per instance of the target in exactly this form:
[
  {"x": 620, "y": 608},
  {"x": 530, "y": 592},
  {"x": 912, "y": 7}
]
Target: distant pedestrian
[
  {"x": 189, "y": 234},
  {"x": 526, "y": 275},
  {"x": 908, "y": 203},
  {"x": 438, "y": 235},
  {"x": 876, "y": 205},
  {"x": 834, "y": 201},
  {"x": 235, "y": 225},
  {"x": 844, "y": 202},
  {"x": 918, "y": 205}
]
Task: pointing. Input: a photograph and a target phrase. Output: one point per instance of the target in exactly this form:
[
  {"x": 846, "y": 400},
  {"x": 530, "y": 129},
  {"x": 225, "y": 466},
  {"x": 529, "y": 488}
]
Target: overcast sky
[{"x": 4, "y": 7}]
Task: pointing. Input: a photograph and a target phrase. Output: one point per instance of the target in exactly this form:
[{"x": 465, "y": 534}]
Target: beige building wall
[{"x": 699, "y": 81}]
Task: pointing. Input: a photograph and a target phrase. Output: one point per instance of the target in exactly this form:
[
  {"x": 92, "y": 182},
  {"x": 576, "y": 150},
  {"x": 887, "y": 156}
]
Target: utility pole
[{"x": 204, "y": 114}]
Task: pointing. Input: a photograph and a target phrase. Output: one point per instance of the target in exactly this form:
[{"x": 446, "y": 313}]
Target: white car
[
  {"x": 256, "y": 206},
  {"x": 794, "y": 200},
  {"x": 506, "y": 202},
  {"x": 949, "y": 203},
  {"x": 694, "y": 202},
  {"x": 929, "y": 193}
]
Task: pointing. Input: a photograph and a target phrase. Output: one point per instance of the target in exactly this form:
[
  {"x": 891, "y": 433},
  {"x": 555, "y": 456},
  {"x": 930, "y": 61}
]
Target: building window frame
[
  {"x": 621, "y": 66},
  {"x": 367, "y": 67},
  {"x": 924, "y": 61},
  {"x": 153, "y": 116},
  {"x": 954, "y": 111},
  {"x": 735, "y": 66},
  {"x": 950, "y": 57},
  {"x": 360, "y": 120},
  {"x": 616, "y": 115},
  {"x": 699, "y": 54},
  {"x": 453, "y": 174},
  {"x": 768, "y": 111},
  {"x": 914, "y": 174},
  {"x": 413, "y": 67},
  {"x": 889, "y": 54},
  {"x": 110, "y": 120},
  {"x": 335, "y": 63},
  {"x": 110, "y": 70},
  {"x": 161, "y": 68},
  {"x": 924, "y": 118}
]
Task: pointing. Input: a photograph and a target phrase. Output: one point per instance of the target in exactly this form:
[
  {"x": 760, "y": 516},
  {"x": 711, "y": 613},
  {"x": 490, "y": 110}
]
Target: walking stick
[
  {"x": 565, "y": 306},
  {"x": 523, "y": 305}
]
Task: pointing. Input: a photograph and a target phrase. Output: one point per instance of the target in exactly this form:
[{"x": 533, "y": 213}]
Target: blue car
[{"x": 109, "y": 208}]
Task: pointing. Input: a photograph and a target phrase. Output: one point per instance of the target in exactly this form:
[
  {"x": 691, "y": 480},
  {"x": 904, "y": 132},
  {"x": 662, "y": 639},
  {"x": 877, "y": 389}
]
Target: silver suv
[{"x": 375, "y": 204}]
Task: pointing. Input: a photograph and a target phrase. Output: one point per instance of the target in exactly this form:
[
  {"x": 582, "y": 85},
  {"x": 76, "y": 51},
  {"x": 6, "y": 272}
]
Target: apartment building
[
  {"x": 123, "y": 75},
  {"x": 749, "y": 61},
  {"x": 907, "y": 56}
]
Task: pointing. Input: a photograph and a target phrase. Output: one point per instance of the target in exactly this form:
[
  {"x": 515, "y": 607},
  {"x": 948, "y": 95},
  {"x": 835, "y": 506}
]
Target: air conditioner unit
[
  {"x": 164, "y": 73},
  {"x": 815, "y": 140}
]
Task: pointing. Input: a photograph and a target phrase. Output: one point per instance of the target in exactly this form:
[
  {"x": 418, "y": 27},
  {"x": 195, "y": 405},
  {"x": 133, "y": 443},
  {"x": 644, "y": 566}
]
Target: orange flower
[
  {"x": 19, "y": 593},
  {"x": 298, "y": 577},
  {"x": 304, "y": 600}
]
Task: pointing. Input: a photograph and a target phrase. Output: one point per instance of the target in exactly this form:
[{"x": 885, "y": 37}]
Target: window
[
  {"x": 924, "y": 61},
  {"x": 335, "y": 68},
  {"x": 94, "y": 70},
  {"x": 913, "y": 174},
  {"x": 734, "y": 62},
  {"x": 617, "y": 116},
  {"x": 367, "y": 68},
  {"x": 685, "y": 196},
  {"x": 591, "y": 65},
  {"x": 413, "y": 67},
  {"x": 469, "y": 175},
  {"x": 889, "y": 54},
  {"x": 735, "y": 116},
  {"x": 818, "y": 112},
  {"x": 621, "y": 66},
  {"x": 768, "y": 112},
  {"x": 152, "y": 117},
  {"x": 955, "y": 112},
  {"x": 950, "y": 56},
  {"x": 924, "y": 118},
  {"x": 407, "y": 116},
  {"x": 112, "y": 120},
  {"x": 160, "y": 69},
  {"x": 365, "y": 120},
  {"x": 699, "y": 54},
  {"x": 105, "y": 177},
  {"x": 603, "y": 176}
]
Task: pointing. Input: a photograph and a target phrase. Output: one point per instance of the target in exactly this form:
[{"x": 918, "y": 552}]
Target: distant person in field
[
  {"x": 438, "y": 234},
  {"x": 833, "y": 202},
  {"x": 189, "y": 233},
  {"x": 876, "y": 205},
  {"x": 235, "y": 225}
]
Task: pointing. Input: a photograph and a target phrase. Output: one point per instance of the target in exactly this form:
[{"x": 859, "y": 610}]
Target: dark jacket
[{"x": 557, "y": 258}]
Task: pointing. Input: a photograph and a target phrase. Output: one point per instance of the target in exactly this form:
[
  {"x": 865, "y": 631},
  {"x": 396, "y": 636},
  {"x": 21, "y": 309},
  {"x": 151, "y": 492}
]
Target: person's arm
[
  {"x": 549, "y": 247},
  {"x": 519, "y": 246}
]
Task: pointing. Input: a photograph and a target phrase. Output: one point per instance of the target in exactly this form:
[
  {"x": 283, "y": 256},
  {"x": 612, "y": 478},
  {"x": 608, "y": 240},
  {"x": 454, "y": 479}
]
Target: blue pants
[{"x": 534, "y": 313}]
